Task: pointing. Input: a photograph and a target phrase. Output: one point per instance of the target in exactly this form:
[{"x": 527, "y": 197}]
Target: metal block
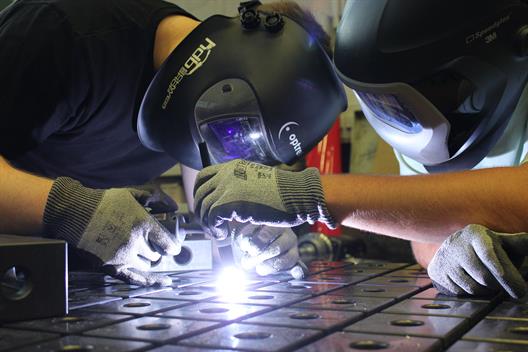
[
  {"x": 478, "y": 346},
  {"x": 183, "y": 294},
  {"x": 154, "y": 329},
  {"x": 196, "y": 254},
  {"x": 248, "y": 337},
  {"x": 84, "y": 343},
  {"x": 74, "y": 323},
  {"x": 508, "y": 310},
  {"x": 438, "y": 307},
  {"x": 399, "y": 281},
  {"x": 273, "y": 299},
  {"x": 333, "y": 279},
  {"x": 312, "y": 288},
  {"x": 358, "y": 304},
  {"x": 127, "y": 291},
  {"x": 86, "y": 298},
  {"x": 222, "y": 312},
  {"x": 306, "y": 318},
  {"x": 29, "y": 289},
  {"x": 347, "y": 341},
  {"x": 376, "y": 291},
  {"x": 137, "y": 306},
  {"x": 445, "y": 328},
  {"x": 11, "y": 338},
  {"x": 499, "y": 331}
]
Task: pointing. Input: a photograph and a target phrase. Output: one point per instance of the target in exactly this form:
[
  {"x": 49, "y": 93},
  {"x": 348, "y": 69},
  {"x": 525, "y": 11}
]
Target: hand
[
  {"x": 267, "y": 250},
  {"x": 474, "y": 261},
  {"x": 113, "y": 226},
  {"x": 249, "y": 192}
]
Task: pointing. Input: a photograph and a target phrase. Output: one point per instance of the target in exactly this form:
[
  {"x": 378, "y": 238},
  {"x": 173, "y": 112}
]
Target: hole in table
[
  {"x": 214, "y": 310},
  {"x": 407, "y": 322},
  {"x": 304, "y": 316},
  {"x": 151, "y": 327},
  {"x": 136, "y": 305},
  {"x": 253, "y": 335},
  {"x": 369, "y": 345}
]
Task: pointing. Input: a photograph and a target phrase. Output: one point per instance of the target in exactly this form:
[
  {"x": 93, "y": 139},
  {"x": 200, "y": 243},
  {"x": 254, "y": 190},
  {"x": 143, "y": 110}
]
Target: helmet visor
[
  {"x": 389, "y": 109},
  {"x": 237, "y": 137}
]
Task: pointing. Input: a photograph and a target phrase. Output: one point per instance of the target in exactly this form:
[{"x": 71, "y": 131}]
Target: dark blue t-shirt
[{"x": 72, "y": 76}]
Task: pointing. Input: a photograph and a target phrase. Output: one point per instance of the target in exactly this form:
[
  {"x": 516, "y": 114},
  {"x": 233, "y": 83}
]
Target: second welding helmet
[
  {"x": 437, "y": 79},
  {"x": 257, "y": 87}
]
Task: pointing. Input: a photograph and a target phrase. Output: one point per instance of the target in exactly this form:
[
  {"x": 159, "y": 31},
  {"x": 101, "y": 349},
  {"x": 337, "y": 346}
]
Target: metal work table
[{"x": 341, "y": 306}]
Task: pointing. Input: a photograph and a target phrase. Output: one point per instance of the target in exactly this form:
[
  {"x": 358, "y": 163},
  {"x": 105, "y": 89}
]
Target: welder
[
  {"x": 444, "y": 83},
  {"x": 99, "y": 95}
]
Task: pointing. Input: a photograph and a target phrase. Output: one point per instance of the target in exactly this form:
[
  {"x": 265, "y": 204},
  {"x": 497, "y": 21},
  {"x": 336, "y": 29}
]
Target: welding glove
[
  {"x": 478, "y": 261},
  {"x": 249, "y": 192},
  {"x": 113, "y": 227},
  {"x": 266, "y": 250}
]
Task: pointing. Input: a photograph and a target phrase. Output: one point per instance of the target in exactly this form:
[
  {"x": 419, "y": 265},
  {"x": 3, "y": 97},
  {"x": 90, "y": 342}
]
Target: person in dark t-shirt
[{"x": 73, "y": 78}]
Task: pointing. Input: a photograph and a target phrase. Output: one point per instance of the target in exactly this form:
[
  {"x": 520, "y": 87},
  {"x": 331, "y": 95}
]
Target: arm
[
  {"x": 428, "y": 208},
  {"x": 23, "y": 200}
]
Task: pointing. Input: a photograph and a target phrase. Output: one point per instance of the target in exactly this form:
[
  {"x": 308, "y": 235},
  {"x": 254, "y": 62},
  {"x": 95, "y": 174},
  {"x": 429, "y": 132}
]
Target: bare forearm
[
  {"x": 429, "y": 208},
  {"x": 22, "y": 201}
]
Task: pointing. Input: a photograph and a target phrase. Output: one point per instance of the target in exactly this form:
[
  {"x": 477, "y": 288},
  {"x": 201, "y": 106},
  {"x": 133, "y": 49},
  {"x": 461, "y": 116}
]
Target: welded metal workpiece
[
  {"x": 85, "y": 343},
  {"x": 445, "y": 328},
  {"x": 432, "y": 293},
  {"x": 508, "y": 309},
  {"x": 222, "y": 312},
  {"x": 306, "y": 318},
  {"x": 479, "y": 346},
  {"x": 310, "y": 288},
  {"x": 461, "y": 309},
  {"x": 173, "y": 348},
  {"x": 154, "y": 329},
  {"x": 76, "y": 322},
  {"x": 399, "y": 281},
  {"x": 29, "y": 289},
  {"x": 334, "y": 279},
  {"x": 262, "y": 298},
  {"x": 346, "y": 271},
  {"x": 136, "y": 306},
  {"x": 249, "y": 337},
  {"x": 183, "y": 294},
  {"x": 196, "y": 254},
  {"x": 380, "y": 265},
  {"x": 348, "y": 341},
  {"x": 351, "y": 303},
  {"x": 377, "y": 291},
  {"x": 500, "y": 331},
  {"x": 181, "y": 281},
  {"x": 127, "y": 291},
  {"x": 409, "y": 273},
  {"x": 11, "y": 338},
  {"x": 198, "y": 274},
  {"x": 86, "y": 298}
]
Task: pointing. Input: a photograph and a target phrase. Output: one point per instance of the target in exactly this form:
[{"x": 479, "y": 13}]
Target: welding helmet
[
  {"x": 257, "y": 87},
  {"x": 437, "y": 79}
]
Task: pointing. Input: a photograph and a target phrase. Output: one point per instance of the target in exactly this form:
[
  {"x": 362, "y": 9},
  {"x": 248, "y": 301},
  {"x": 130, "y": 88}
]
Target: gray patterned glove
[
  {"x": 111, "y": 225},
  {"x": 478, "y": 261},
  {"x": 266, "y": 250},
  {"x": 249, "y": 192}
]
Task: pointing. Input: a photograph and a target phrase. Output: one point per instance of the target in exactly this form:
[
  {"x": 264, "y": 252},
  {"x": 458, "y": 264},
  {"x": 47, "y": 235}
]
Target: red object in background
[{"x": 326, "y": 156}]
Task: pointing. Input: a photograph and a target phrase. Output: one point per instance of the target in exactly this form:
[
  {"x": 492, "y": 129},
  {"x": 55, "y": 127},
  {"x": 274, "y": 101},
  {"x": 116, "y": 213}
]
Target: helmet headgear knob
[{"x": 274, "y": 22}]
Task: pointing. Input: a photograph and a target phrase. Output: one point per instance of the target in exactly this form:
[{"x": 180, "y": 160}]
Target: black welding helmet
[
  {"x": 257, "y": 87},
  {"x": 437, "y": 79}
]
